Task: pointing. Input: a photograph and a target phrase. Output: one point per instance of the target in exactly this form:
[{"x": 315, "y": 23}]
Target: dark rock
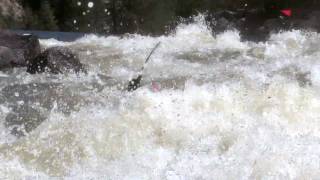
[
  {"x": 44, "y": 94},
  {"x": 8, "y": 57},
  {"x": 24, "y": 119},
  {"x": 30, "y": 104},
  {"x": 251, "y": 26},
  {"x": 56, "y": 60},
  {"x": 275, "y": 25},
  {"x": 249, "y": 23},
  {"x": 222, "y": 20},
  {"x": 308, "y": 20},
  {"x": 26, "y": 47},
  {"x": 257, "y": 25}
]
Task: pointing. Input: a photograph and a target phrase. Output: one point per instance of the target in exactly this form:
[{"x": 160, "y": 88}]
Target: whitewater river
[{"x": 211, "y": 107}]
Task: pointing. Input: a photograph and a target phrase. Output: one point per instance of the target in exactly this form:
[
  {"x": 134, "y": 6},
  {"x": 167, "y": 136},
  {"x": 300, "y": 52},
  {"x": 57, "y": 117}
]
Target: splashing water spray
[{"x": 134, "y": 84}]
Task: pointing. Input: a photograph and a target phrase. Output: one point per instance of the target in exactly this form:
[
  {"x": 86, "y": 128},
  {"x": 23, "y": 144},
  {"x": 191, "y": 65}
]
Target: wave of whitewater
[{"x": 226, "y": 109}]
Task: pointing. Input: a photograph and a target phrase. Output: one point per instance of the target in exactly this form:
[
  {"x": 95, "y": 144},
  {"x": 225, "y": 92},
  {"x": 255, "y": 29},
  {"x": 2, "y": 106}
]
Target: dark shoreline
[
  {"x": 252, "y": 25},
  {"x": 60, "y": 36}
]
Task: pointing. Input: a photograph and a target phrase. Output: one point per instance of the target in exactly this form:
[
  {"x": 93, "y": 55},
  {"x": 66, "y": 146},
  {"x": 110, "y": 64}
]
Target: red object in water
[
  {"x": 155, "y": 87},
  {"x": 286, "y": 12}
]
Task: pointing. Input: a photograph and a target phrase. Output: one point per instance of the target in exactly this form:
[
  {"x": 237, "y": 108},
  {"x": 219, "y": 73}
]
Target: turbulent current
[{"x": 210, "y": 107}]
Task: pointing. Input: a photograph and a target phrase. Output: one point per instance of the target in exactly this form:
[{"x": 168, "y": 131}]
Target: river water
[{"x": 211, "y": 107}]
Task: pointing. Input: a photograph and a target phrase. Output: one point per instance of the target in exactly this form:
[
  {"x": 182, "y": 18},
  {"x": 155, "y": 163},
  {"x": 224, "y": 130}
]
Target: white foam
[{"x": 227, "y": 109}]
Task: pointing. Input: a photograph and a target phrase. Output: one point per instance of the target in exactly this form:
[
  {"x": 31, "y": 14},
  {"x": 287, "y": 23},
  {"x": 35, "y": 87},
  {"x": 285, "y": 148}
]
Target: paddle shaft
[{"x": 135, "y": 83}]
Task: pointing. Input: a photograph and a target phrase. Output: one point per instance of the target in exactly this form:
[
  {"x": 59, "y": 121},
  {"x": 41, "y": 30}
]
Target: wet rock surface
[
  {"x": 30, "y": 104},
  {"x": 8, "y": 57},
  {"x": 24, "y": 50},
  {"x": 255, "y": 25},
  {"x": 25, "y": 47},
  {"x": 56, "y": 60}
]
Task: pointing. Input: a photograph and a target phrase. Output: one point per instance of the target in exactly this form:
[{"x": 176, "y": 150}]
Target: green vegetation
[
  {"x": 125, "y": 16},
  {"x": 46, "y": 17}
]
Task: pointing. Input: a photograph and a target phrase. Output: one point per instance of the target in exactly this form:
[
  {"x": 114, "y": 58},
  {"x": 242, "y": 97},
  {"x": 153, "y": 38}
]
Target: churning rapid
[{"x": 210, "y": 107}]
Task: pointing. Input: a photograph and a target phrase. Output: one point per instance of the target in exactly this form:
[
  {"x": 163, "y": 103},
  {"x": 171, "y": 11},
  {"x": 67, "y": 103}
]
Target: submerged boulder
[
  {"x": 24, "y": 47},
  {"x": 24, "y": 119},
  {"x": 30, "y": 104},
  {"x": 56, "y": 60}
]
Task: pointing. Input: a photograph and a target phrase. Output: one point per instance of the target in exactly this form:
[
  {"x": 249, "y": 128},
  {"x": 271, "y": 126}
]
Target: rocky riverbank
[
  {"x": 143, "y": 17},
  {"x": 24, "y": 51},
  {"x": 18, "y": 51},
  {"x": 11, "y": 14}
]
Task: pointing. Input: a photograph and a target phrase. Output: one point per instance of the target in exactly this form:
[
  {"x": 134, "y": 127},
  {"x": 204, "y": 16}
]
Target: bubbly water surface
[{"x": 211, "y": 107}]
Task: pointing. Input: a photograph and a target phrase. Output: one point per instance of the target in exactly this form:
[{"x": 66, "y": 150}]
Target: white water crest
[{"x": 224, "y": 109}]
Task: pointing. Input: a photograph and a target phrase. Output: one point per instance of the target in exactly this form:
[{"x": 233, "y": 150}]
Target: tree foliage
[
  {"x": 130, "y": 16},
  {"x": 46, "y": 17}
]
